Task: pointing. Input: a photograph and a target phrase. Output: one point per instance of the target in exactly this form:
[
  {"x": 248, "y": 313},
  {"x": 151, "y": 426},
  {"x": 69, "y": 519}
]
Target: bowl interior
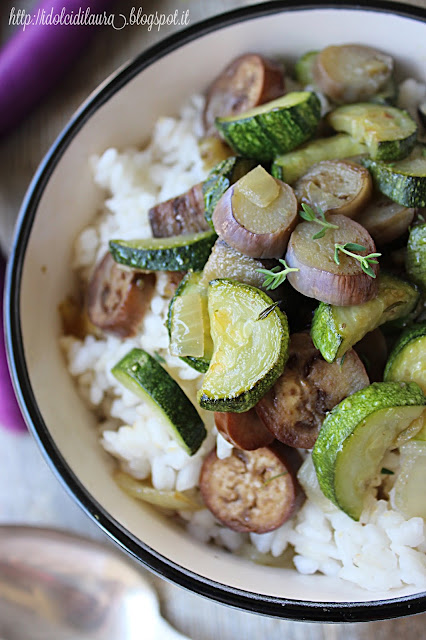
[{"x": 65, "y": 199}]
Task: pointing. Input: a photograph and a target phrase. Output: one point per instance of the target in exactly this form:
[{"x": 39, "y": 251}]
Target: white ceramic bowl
[{"x": 62, "y": 199}]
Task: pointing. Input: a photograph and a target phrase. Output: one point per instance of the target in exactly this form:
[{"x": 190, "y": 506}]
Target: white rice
[{"x": 382, "y": 551}]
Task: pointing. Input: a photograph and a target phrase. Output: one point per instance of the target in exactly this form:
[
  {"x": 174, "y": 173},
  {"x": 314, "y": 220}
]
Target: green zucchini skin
[
  {"x": 410, "y": 335},
  {"x": 275, "y": 127},
  {"x": 141, "y": 373},
  {"x": 303, "y": 69},
  {"x": 408, "y": 190},
  {"x": 220, "y": 178},
  {"x": 331, "y": 331},
  {"x": 383, "y": 146},
  {"x": 344, "y": 418},
  {"x": 291, "y": 166},
  {"x": 416, "y": 255},
  {"x": 178, "y": 253}
]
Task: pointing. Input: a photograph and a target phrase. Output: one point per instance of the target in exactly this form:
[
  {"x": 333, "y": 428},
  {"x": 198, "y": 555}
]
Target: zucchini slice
[
  {"x": 291, "y": 166},
  {"x": 336, "y": 329},
  {"x": 177, "y": 253},
  {"x": 389, "y": 133},
  {"x": 408, "y": 493},
  {"x": 250, "y": 339},
  {"x": 304, "y": 68},
  {"x": 273, "y": 128},
  {"x": 407, "y": 361},
  {"x": 143, "y": 375},
  {"x": 220, "y": 178},
  {"x": 356, "y": 435},
  {"x": 188, "y": 323},
  {"x": 416, "y": 255},
  {"x": 404, "y": 181}
]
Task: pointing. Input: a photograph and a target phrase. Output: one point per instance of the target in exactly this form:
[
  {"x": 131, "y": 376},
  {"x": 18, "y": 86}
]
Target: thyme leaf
[
  {"x": 279, "y": 475},
  {"x": 274, "y": 277},
  {"x": 365, "y": 261},
  {"x": 265, "y": 313},
  {"x": 309, "y": 214},
  {"x": 387, "y": 472}
]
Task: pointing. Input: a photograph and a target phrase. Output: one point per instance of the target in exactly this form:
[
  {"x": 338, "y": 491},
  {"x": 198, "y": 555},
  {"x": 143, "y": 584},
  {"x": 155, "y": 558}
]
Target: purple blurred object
[
  {"x": 36, "y": 56},
  {"x": 10, "y": 414}
]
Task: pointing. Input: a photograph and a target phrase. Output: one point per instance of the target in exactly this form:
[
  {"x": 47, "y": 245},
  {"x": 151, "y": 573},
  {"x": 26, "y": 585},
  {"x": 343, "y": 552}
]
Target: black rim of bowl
[{"x": 258, "y": 603}]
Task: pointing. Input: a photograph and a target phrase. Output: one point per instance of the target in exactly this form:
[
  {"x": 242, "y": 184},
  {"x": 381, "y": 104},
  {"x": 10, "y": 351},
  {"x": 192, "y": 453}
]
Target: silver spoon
[{"x": 58, "y": 586}]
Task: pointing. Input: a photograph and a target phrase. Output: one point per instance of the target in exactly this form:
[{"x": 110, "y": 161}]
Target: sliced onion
[{"x": 142, "y": 490}]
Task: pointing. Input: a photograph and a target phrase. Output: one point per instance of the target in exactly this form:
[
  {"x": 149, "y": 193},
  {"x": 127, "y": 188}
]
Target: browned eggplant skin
[
  {"x": 252, "y": 491},
  {"x": 326, "y": 285},
  {"x": 254, "y": 245},
  {"x": 248, "y": 81},
  {"x": 181, "y": 215},
  {"x": 243, "y": 430},
  {"x": 295, "y": 408},
  {"x": 117, "y": 298}
]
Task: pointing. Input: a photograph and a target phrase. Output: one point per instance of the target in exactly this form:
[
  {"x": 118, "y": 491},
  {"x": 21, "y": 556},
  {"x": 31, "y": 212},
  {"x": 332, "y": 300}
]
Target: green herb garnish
[
  {"x": 342, "y": 359},
  {"x": 387, "y": 472},
  {"x": 275, "y": 277},
  {"x": 365, "y": 261},
  {"x": 279, "y": 475},
  {"x": 309, "y": 214},
  {"x": 265, "y": 313}
]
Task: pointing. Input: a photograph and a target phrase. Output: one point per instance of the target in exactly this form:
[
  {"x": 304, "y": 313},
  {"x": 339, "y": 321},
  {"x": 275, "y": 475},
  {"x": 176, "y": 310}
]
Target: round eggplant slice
[
  {"x": 294, "y": 409},
  {"x": 118, "y": 298},
  {"x": 319, "y": 276},
  {"x": 252, "y": 491},
  {"x": 335, "y": 187},
  {"x": 351, "y": 73},
  {"x": 257, "y": 215},
  {"x": 243, "y": 430},
  {"x": 385, "y": 220},
  {"x": 250, "y": 80}
]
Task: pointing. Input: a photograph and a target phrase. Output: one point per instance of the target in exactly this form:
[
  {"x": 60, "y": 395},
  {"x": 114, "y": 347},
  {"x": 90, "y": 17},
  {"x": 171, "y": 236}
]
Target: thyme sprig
[
  {"x": 365, "y": 261},
  {"x": 309, "y": 214},
  {"x": 265, "y": 313},
  {"x": 275, "y": 277}
]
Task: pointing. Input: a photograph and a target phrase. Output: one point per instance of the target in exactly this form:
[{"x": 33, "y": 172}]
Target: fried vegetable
[
  {"x": 336, "y": 187},
  {"x": 318, "y": 275},
  {"x": 117, "y": 298},
  {"x": 256, "y": 215},
  {"x": 384, "y": 219},
  {"x": 295, "y": 408},
  {"x": 243, "y": 430},
  {"x": 357, "y": 433},
  {"x": 252, "y": 491},
  {"x": 248, "y": 81},
  {"x": 181, "y": 215},
  {"x": 351, "y": 72}
]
